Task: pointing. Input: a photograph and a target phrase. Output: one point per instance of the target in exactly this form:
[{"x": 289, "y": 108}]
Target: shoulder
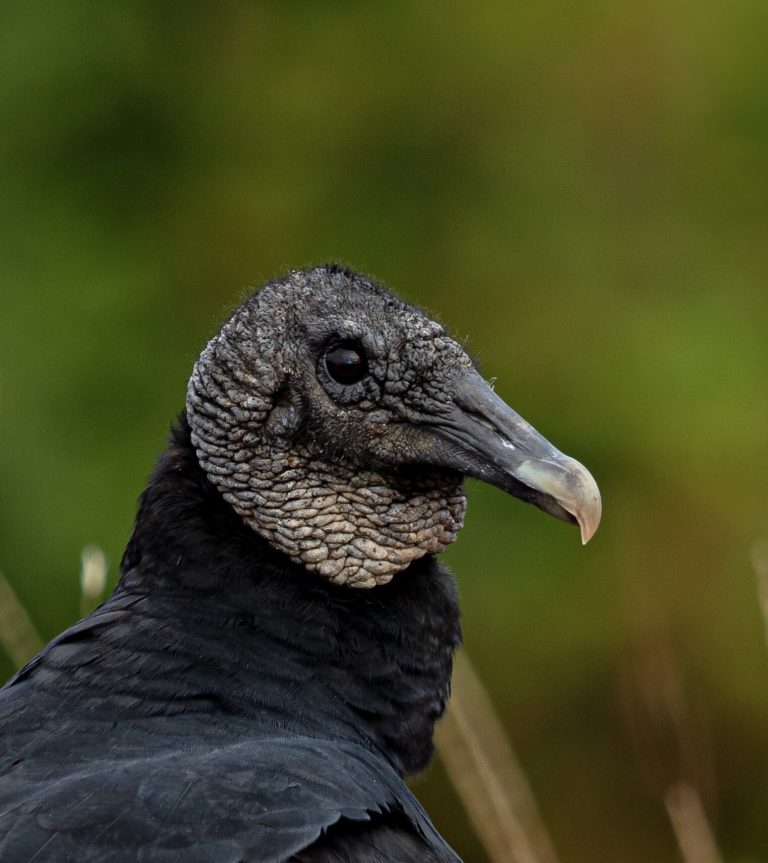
[
  {"x": 256, "y": 800},
  {"x": 384, "y": 839}
]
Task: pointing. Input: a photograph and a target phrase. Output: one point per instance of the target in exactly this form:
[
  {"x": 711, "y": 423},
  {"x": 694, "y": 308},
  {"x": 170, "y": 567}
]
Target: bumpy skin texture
[
  {"x": 332, "y": 475},
  {"x": 227, "y": 706}
]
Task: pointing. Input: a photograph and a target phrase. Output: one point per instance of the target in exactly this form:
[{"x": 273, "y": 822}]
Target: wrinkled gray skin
[{"x": 335, "y": 476}]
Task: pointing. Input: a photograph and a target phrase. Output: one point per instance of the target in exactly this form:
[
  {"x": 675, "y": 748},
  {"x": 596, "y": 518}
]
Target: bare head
[{"x": 339, "y": 423}]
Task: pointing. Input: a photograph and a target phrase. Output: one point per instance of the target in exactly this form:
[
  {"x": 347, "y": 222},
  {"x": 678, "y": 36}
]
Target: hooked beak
[{"x": 482, "y": 437}]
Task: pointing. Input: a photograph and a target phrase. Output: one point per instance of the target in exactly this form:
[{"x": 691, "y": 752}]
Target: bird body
[{"x": 278, "y": 648}]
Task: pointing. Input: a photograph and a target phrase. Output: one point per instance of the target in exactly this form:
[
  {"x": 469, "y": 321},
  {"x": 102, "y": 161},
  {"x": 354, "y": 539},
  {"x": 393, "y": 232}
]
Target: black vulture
[{"x": 279, "y": 646}]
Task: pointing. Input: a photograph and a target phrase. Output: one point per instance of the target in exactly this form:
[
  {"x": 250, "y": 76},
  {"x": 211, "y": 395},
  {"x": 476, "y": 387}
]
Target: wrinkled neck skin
[
  {"x": 240, "y": 625},
  {"x": 353, "y": 525}
]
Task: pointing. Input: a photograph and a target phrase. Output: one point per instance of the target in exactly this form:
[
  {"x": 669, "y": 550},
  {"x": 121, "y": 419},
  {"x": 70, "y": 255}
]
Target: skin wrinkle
[{"x": 329, "y": 474}]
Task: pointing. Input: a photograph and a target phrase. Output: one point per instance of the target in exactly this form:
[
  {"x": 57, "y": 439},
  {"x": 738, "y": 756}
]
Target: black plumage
[{"x": 242, "y": 696}]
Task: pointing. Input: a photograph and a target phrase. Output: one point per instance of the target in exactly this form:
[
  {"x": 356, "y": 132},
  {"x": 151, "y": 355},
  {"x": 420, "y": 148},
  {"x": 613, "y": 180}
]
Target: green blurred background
[{"x": 579, "y": 189}]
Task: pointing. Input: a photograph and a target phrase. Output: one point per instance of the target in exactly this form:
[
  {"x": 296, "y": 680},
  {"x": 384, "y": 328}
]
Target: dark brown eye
[{"x": 346, "y": 364}]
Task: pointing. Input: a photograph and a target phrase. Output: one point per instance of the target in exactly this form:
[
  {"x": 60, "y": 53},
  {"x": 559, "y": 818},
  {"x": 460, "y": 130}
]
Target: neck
[{"x": 372, "y": 665}]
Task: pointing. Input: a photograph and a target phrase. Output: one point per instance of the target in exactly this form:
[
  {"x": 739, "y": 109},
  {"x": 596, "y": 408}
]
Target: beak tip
[
  {"x": 569, "y": 486},
  {"x": 506, "y": 451},
  {"x": 589, "y": 515}
]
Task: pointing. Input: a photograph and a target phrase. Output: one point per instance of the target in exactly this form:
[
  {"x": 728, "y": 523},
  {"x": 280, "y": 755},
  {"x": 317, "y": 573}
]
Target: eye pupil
[{"x": 346, "y": 364}]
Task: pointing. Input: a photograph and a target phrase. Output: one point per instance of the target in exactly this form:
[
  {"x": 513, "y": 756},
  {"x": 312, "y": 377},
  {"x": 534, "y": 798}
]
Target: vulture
[{"x": 278, "y": 648}]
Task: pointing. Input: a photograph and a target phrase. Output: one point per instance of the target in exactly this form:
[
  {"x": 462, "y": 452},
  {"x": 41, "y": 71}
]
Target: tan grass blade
[
  {"x": 17, "y": 632},
  {"x": 487, "y": 775},
  {"x": 669, "y": 732},
  {"x": 760, "y": 564},
  {"x": 691, "y": 827},
  {"x": 93, "y": 578}
]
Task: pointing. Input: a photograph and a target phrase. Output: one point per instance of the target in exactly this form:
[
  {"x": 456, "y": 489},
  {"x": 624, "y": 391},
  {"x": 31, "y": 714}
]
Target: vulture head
[{"x": 339, "y": 423}]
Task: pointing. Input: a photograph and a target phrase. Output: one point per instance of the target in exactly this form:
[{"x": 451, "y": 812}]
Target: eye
[{"x": 346, "y": 364}]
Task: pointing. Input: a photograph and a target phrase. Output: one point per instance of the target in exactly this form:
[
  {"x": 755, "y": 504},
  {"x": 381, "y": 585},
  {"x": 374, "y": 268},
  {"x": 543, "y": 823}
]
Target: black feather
[{"x": 226, "y": 705}]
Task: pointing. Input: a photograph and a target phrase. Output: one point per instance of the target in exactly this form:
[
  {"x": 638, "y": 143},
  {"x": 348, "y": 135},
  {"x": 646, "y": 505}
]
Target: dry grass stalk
[
  {"x": 93, "y": 578},
  {"x": 760, "y": 564},
  {"x": 669, "y": 734},
  {"x": 487, "y": 775},
  {"x": 17, "y": 632},
  {"x": 689, "y": 822}
]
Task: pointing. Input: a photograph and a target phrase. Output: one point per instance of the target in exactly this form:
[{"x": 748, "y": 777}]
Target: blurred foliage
[{"x": 580, "y": 189}]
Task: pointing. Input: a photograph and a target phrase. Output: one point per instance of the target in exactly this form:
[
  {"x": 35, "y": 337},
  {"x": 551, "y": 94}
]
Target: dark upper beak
[{"x": 482, "y": 437}]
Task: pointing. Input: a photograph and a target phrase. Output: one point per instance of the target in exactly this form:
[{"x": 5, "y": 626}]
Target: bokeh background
[{"x": 577, "y": 189}]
